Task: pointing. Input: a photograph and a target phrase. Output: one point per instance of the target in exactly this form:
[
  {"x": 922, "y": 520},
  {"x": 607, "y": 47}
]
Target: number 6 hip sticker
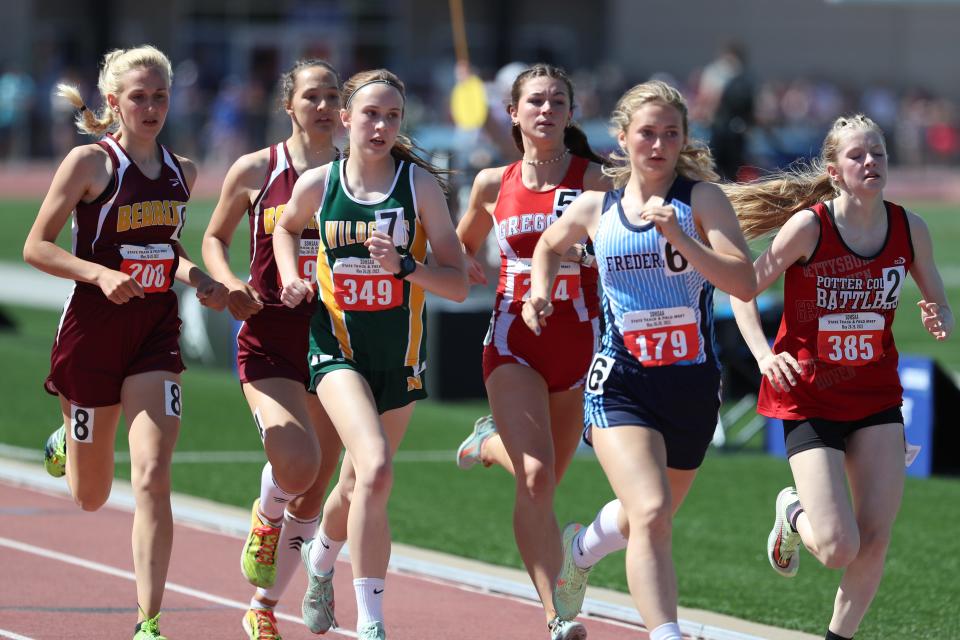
[
  {"x": 599, "y": 371},
  {"x": 172, "y": 398},
  {"x": 81, "y": 424}
]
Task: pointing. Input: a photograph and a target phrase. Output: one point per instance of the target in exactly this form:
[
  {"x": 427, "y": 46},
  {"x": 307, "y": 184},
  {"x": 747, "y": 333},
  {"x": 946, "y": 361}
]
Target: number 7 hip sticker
[{"x": 81, "y": 424}]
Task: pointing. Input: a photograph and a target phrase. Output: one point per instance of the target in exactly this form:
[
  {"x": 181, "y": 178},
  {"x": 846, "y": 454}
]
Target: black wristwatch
[{"x": 407, "y": 266}]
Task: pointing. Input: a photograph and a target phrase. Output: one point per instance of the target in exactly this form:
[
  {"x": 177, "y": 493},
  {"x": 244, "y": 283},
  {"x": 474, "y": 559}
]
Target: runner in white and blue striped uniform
[{"x": 663, "y": 240}]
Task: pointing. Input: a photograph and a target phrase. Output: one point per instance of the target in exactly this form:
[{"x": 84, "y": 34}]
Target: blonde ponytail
[
  {"x": 763, "y": 206},
  {"x": 115, "y": 64}
]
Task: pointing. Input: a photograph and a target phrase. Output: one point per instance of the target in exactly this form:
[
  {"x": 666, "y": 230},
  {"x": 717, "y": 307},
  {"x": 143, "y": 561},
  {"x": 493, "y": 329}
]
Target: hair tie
[{"x": 83, "y": 108}]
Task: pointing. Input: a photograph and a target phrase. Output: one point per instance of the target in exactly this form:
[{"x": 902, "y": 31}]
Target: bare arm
[
  {"x": 82, "y": 176},
  {"x": 304, "y": 201},
  {"x": 578, "y": 221},
  {"x": 476, "y": 223},
  {"x": 935, "y": 311},
  {"x": 794, "y": 242},
  {"x": 240, "y": 187},
  {"x": 448, "y": 277},
  {"x": 724, "y": 260}
]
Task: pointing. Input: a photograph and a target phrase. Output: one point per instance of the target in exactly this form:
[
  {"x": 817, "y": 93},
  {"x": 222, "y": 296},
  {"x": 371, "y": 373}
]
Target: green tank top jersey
[{"x": 366, "y": 315}]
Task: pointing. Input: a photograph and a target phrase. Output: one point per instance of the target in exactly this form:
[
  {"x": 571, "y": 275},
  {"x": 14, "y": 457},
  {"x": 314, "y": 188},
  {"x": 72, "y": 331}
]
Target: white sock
[
  {"x": 273, "y": 499},
  {"x": 600, "y": 538},
  {"x": 667, "y": 631},
  {"x": 256, "y": 604},
  {"x": 369, "y": 600},
  {"x": 293, "y": 535},
  {"x": 324, "y": 552}
]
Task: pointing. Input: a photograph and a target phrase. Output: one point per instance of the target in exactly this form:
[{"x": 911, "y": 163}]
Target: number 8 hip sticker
[
  {"x": 172, "y": 398},
  {"x": 81, "y": 424},
  {"x": 599, "y": 371}
]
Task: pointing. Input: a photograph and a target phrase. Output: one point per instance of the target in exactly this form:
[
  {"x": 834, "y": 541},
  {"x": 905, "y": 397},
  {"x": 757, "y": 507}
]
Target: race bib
[
  {"x": 307, "y": 261},
  {"x": 151, "y": 265},
  {"x": 852, "y": 339},
  {"x": 360, "y": 284},
  {"x": 659, "y": 337},
  {"x": 566, "y": 286}
]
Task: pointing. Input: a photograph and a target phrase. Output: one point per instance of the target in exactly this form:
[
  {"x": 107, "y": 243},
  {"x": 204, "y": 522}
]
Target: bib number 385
[{"x": 852, "y": 339}]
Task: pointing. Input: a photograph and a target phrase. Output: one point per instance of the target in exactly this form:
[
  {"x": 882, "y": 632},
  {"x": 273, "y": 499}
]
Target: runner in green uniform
[{"x": 376, "y": 210}]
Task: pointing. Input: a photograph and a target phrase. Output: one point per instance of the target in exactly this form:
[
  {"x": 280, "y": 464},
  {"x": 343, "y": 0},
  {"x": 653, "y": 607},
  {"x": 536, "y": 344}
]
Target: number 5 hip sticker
[
  {"x": 81, "y": 424},
  {"x": 600, "y": 370},
  {"x": 172, "y": 398}
]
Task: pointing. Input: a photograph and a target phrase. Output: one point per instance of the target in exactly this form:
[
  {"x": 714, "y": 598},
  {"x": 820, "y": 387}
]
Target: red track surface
[{"x": 48, "y": 598}]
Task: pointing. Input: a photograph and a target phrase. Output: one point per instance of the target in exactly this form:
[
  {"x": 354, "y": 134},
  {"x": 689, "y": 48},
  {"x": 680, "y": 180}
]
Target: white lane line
[
  {"x": 13, "y": 636},
  {"x": 18, "y": 545}
]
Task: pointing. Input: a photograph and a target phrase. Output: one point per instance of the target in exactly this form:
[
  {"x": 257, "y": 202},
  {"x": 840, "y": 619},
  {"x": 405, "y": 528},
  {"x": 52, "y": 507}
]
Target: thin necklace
[{"x": 538, "y": 163}]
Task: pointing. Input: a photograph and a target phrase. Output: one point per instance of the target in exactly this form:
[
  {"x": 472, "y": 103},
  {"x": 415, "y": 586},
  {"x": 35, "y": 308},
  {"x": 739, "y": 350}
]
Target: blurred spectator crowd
[{"x": 216, "y": 119}]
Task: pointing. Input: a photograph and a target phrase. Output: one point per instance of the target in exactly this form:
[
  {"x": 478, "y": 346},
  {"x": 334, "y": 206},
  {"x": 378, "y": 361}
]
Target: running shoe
[
  {"x": 372, "y": 631},
  {"x": 783, "y": 541},
  {"x": 317, "y": 608},
  {"x": 258, "y": 562},
  {"x": 55, "y": 453},
  {"x": 566, "y": 630},
  {"x": 261, "y": 624},
  {"x": 469, "y": 452},
  {"x": 571, "y": 584},
  {"x": 149, "y": 629}
]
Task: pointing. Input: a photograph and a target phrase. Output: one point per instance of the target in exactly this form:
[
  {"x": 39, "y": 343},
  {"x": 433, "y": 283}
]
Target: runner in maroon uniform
[
  {"x": 832, "y": 372},
  {"x": 117, "y": 344},
  {"x": 301, "y": 445},
  {"x": 536, "y": 398}
]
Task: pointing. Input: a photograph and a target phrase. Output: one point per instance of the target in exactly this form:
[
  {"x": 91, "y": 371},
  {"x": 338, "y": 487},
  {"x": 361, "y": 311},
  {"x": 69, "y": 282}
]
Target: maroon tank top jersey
[
  {"x": 133, "y": 227},
  {"x": 838, "y": 317},
  {"x": 273, "y": 343},
  {"x": 264, "y": 213},
  {"x": 520, "y": 217}
]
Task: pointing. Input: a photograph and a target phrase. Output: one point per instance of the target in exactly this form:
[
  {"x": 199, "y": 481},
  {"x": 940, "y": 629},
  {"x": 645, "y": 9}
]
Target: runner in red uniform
[
  {"x": 117, "y": 344},
  {"x": 832, "y": 373},
  {"x": 301, "y": 445},
  {"x": 536, "y": 397}
]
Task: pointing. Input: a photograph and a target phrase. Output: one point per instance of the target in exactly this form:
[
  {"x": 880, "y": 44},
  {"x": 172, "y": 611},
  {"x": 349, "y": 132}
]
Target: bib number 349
[{"x": 359, "y": 284}]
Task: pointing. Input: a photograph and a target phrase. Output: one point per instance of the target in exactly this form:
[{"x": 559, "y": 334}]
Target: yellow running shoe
[
  {"x": 261, "y": 624},
  {"x": 149, "y": 629},
  {"x": 258, "y": 562},
  {"x": 55, "y": 453}
]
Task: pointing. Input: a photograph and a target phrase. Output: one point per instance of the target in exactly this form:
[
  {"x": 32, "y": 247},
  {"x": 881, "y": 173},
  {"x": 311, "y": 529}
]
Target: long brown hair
[
  {"x": 115, "y": 64},
  {"x": 764, "y": 205},
  {"x": 574, "y": 139},
  {"x": 403, "y": 148},
  {"x": 695, "y": 161}
]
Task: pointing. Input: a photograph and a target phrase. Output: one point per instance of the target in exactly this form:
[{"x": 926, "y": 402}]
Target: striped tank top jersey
[
  {"x": 520, "y": 218},
  {"x": 133, "y": 225},
  {"x": 264, "y": 213},
  {"x": 367, "y": 315},
  {"x": 658, "y": 310},
  {"x": 838, "y": 316}
]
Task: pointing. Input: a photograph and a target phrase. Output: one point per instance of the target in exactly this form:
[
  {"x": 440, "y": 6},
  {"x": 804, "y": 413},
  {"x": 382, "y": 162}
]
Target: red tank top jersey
[
  {"x": 520, "y": 217},
  {"x": 264, "y": 214},
  {"x": 134, "y": 226},
  {"x": 837, "y": 322}
]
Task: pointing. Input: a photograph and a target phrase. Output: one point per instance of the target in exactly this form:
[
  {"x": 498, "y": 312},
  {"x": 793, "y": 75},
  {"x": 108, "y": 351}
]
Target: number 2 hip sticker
[
  {"x": 172, "y": 398},
  {"x": 81, "y": 424}
]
